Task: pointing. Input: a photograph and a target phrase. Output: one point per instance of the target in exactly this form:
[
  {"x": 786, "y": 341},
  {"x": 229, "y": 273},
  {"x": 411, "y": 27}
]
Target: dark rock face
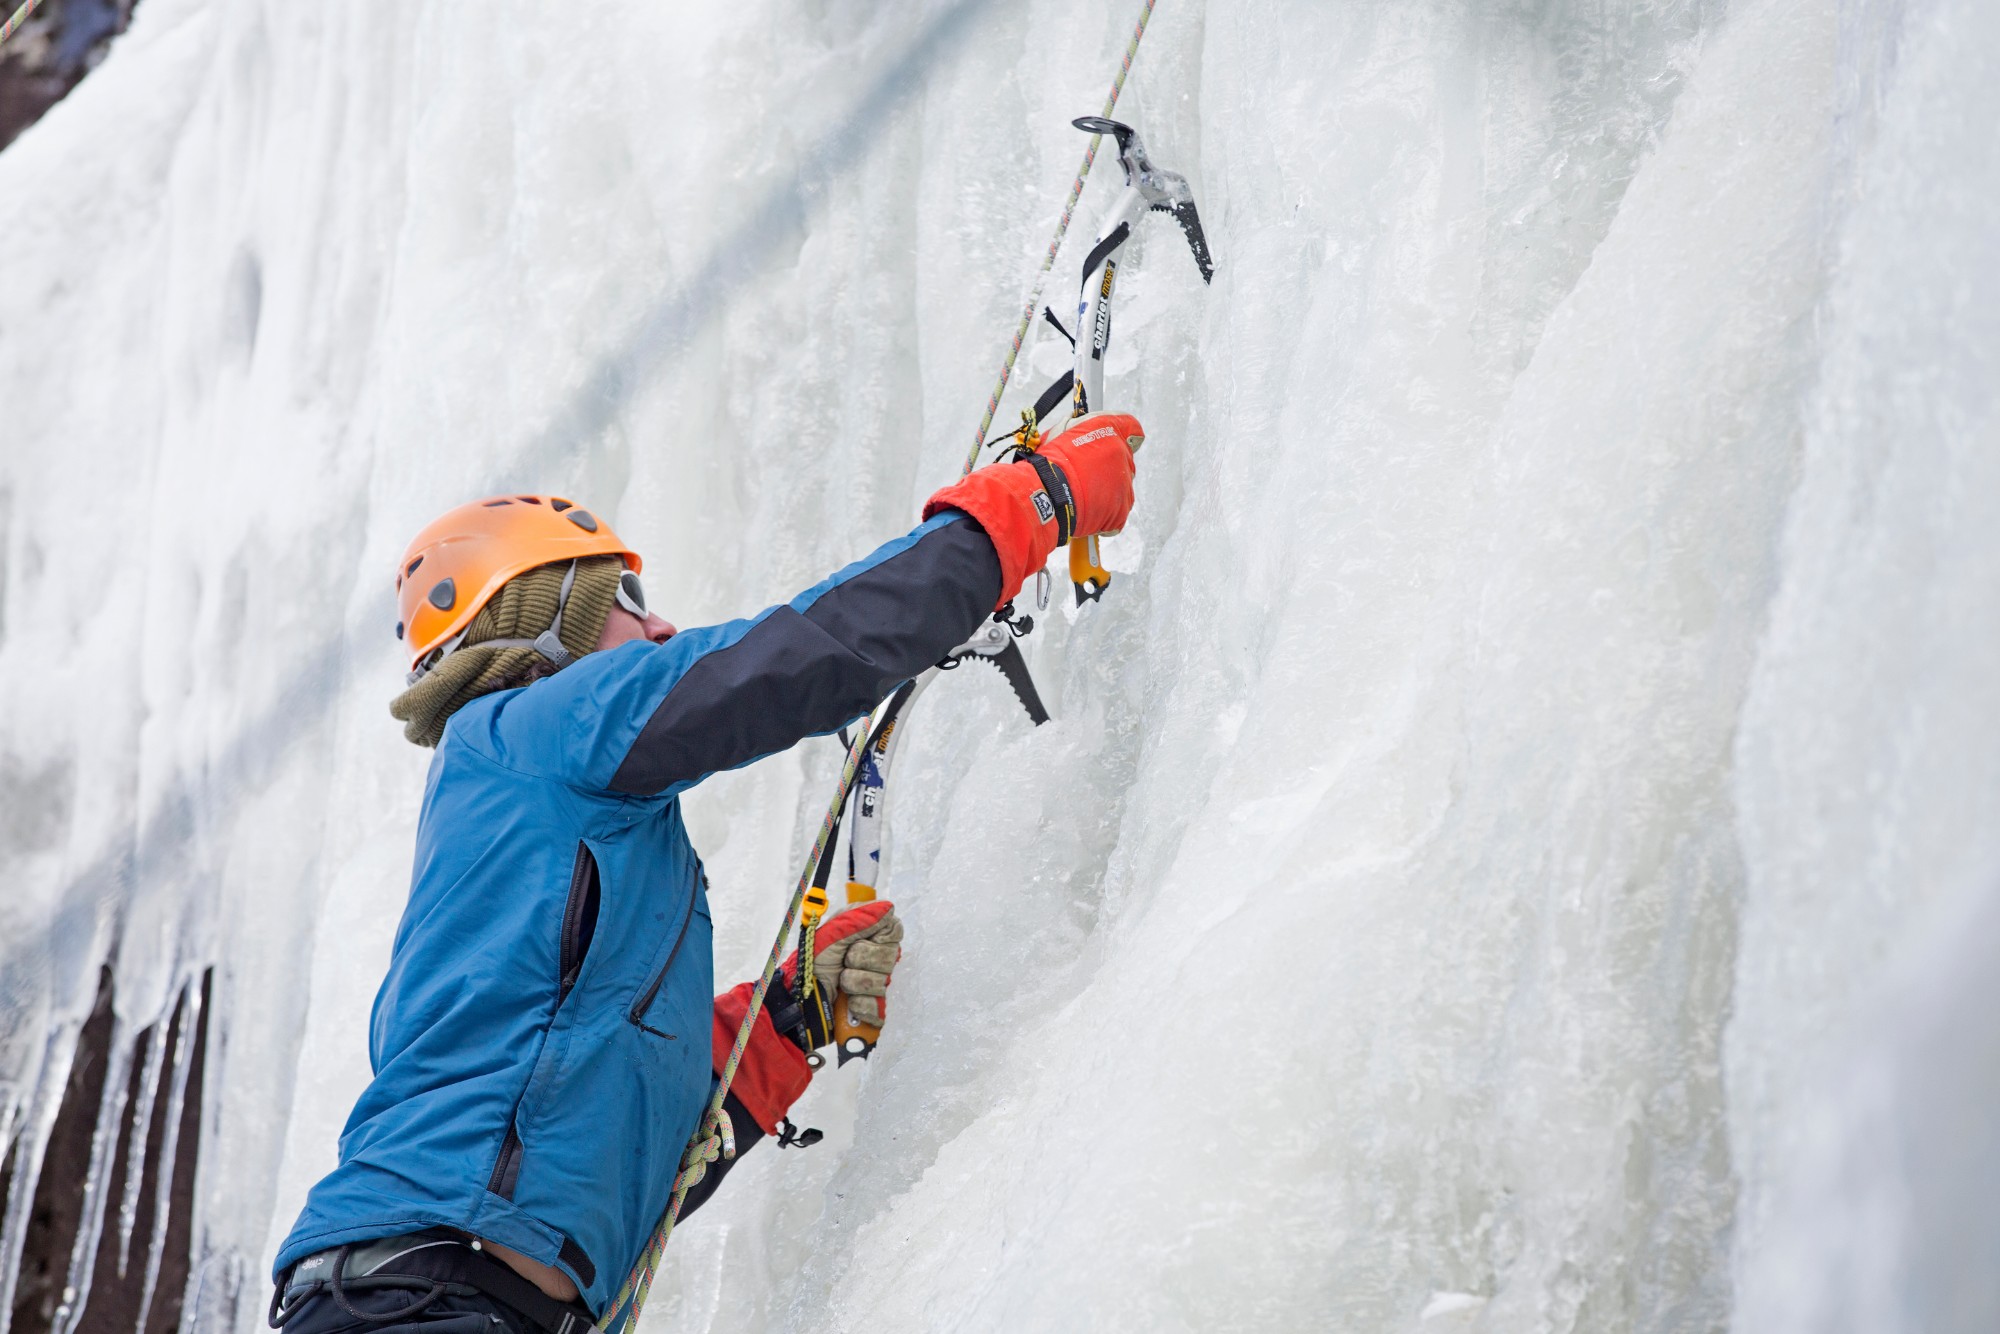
[
  {"x": 51, "y": 53},
  {"x": 139, "y": 1270}
]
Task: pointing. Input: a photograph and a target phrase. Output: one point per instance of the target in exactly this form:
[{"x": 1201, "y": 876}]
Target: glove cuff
[
  {"x": 773, "y": 1071},
  {"x": 1055, "y": 484},
  {"x": 1011, "y": 505}
]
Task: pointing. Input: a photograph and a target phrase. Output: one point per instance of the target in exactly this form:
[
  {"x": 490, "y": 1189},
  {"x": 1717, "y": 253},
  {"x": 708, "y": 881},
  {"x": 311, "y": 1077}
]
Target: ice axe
[
  {"x": 1147, "y": 189},
  {"x": 866, "y": 808}
]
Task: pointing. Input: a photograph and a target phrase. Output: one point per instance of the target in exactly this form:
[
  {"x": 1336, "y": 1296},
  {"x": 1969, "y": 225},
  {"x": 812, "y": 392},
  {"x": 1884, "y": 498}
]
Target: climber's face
[
  {"x": 622, "y": 627},
  {"x": 630, "y": 620}
]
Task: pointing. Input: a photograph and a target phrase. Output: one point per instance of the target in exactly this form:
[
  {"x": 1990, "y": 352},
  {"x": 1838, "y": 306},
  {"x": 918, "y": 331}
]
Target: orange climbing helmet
[{"x": 464, "y": 556}]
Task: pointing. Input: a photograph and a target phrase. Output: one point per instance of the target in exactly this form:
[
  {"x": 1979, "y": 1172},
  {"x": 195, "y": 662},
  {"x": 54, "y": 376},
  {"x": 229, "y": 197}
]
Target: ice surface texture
[{"x": 1516, "y": 849}]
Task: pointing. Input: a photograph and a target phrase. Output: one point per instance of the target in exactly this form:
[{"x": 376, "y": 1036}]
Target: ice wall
[
  {"x": 1863, "y": 1062},
  {"x": 1512, "y": 853}
]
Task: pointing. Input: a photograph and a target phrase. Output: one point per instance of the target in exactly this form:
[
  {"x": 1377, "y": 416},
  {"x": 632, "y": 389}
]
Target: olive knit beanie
[{"x": 524, "y": 607}]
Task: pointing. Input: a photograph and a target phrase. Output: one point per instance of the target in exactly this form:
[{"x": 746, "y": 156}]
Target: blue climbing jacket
[{"x": 541, "y": 1046}]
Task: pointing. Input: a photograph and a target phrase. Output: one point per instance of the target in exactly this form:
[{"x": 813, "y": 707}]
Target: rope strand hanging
[
  {"x": 1055, "y": 244},
  {"x": 632, "y": 1294},
  {"x": 20, "y": 16},
  {"x": 639, "y": 1283}
]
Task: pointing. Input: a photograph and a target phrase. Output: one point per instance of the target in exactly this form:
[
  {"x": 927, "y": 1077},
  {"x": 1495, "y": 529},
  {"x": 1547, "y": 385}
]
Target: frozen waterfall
[{"x": 1518, "y": 848}]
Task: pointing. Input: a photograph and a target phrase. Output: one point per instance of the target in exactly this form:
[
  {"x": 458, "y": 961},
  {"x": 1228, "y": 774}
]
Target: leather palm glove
[
  {"x": 854, "y": 954},
  {"x": 858, "y": 965}
]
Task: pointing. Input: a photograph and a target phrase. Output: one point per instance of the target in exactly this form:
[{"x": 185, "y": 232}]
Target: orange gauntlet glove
[{"x": 1083, "y": 487}]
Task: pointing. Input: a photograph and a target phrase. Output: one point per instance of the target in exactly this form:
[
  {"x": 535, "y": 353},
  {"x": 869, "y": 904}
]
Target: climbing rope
[
  {"x": 1055, "y": 244},
  {"x": 640, "y": 1281},
  {"x": 21, "y": 16},
  {"x": 631, "y": 1298}
]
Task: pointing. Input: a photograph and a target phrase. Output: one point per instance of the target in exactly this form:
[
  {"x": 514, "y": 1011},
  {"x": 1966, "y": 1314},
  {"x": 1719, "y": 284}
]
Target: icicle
[
  {"x": 97, "y": 1178},
  {"x": 155, "y": 1039},
  {"x": 185, "y": 1030},
  {"x": 212, "y": 1302},
  {"x": 35, "y": 1130}
]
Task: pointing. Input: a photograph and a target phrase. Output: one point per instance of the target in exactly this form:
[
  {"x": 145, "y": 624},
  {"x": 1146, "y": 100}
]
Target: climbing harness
[
  {"x": 20, "y": 16},
  {"x": 863, "y": 783},
  {"x": 434, "y": 1263}
]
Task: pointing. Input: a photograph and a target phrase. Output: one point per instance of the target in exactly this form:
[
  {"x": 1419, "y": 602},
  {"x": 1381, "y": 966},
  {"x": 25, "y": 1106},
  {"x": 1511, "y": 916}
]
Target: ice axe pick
[{"x": 1147, "y": 189}]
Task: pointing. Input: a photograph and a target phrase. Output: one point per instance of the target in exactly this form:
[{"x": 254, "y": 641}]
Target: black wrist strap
[
  {"x": 793, "y": 1019},
  {"x": 1057, "y": 486}
]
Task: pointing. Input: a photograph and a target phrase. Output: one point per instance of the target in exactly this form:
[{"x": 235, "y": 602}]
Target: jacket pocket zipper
[
  {"x": 576, "y": 911},
  {"x": 508, "y": 1170},
  {"x": 636, "y": 1016},
  {"x": 570, "y": 951}
]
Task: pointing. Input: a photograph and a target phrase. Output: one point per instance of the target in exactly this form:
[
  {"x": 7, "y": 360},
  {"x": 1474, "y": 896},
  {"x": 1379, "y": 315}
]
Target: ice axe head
[{"x": 1164, "y": 191}]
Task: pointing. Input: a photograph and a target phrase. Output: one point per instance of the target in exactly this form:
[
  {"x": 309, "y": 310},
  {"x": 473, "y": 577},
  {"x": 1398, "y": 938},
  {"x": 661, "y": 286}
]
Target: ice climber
[{"x": 546, "y": 1038}]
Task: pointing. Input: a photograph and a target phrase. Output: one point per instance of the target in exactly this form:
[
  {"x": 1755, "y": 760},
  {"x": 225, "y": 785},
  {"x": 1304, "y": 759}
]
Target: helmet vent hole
[
  {"x": 582, "y": 519},
  {"x": 529, "y": 500},
  {"x": 444, "y": 595},
  {"x": 496, "y": 504},
  {"x": 399, "y": 629},
  {"x": 411, "y": 568},
  {"x": 559, "y": 505}
]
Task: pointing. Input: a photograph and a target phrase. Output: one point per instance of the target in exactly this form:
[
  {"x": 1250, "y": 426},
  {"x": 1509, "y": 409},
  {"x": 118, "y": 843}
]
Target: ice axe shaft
[
  {"x": 868, "y": 832},
  {"x": 1147, "y": 189}
]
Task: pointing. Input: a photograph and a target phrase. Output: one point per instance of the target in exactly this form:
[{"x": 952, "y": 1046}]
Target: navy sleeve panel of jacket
[{"x": 653, "y": 719}]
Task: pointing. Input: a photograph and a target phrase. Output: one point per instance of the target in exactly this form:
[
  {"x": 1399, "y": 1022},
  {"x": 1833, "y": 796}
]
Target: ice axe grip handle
[
  {"x": 851, "y": 1039},
  {"x": 1086, "y": 567}
]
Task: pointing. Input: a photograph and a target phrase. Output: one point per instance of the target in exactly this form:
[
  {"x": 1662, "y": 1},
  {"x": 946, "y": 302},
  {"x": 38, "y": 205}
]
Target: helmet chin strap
[{"x": 548, "y": 643}]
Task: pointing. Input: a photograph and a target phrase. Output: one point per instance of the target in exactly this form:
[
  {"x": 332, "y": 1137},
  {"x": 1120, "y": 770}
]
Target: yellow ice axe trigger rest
[{"x": 1086, "y": 568}]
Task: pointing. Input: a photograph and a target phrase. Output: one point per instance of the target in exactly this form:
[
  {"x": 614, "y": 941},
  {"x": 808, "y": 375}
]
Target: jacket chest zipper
[{"x": 636, "y": 1015}]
